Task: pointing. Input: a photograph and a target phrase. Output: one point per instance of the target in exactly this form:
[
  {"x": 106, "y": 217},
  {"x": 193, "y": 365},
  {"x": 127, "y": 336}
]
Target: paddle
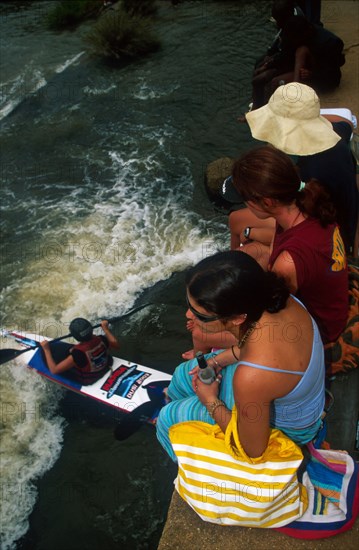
[{"x": 8, "y": 353}]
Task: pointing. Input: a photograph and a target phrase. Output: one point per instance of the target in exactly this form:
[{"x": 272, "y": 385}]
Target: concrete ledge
[
  {"x": 342, "y": 18},
  {"x": 185, "y": 530}
]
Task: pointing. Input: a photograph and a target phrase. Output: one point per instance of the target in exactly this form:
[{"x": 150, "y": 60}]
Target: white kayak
[{"x": 126, "y": 386}]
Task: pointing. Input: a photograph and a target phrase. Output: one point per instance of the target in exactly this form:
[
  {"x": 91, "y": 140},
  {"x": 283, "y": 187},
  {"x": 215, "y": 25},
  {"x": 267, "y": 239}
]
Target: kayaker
[{"x": 90, "y": 358}]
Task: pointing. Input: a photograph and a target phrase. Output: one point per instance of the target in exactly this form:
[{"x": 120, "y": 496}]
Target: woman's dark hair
[
  {"x": 282, "y": 10},
  {"x": 232, "y": 283},
  {"x": 266, "y": 172}
]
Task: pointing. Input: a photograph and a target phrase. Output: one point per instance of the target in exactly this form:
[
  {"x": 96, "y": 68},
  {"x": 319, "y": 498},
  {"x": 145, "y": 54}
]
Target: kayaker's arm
[
  {"x": 56, "y": 368},
  {"x": 112, "y": 340}
]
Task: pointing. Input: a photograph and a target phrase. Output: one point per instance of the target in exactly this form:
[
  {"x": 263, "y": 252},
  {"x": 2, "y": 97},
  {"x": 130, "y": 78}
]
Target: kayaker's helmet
[{"x": 81, "y": 329}]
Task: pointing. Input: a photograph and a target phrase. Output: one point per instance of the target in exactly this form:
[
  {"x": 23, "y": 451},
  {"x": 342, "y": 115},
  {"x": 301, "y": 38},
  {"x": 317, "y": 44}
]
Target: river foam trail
[
  {"x": 118, "y": 241},
  {"x": 31, "y": 441},
  {"x": 26, "y": 84},
  {"x": 102, "y": 201}
]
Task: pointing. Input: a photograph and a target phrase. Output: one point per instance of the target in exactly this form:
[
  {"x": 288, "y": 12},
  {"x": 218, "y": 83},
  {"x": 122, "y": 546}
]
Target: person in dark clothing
[
  {"x": 335, "y": 167},
  {"x": 307, "y": 53},
  {"x": 282, "y": 10},
  {"x": 275, "y": 60},
  {"x": 311, "y": 10}
]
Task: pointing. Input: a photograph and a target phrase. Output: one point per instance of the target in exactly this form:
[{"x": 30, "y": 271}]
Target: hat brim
[
  {"x": 292, "y": 136},
  {"x": 229, "y": 192}
]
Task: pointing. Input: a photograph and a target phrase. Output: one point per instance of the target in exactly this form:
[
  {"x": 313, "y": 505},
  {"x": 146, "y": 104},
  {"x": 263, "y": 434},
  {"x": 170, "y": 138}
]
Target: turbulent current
[{"x": 103, "y": 204}]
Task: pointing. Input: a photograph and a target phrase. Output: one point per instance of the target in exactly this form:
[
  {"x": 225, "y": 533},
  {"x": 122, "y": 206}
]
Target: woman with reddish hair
[{"x": 307, "y": 248}]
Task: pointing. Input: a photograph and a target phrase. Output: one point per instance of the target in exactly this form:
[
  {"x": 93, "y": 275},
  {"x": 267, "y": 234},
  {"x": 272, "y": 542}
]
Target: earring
[{"x": 243, "y": 316}]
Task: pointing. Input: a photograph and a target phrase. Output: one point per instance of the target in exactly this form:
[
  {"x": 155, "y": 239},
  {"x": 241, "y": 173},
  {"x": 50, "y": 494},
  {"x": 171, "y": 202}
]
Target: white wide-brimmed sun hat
[{"x": 291, "y": 121}]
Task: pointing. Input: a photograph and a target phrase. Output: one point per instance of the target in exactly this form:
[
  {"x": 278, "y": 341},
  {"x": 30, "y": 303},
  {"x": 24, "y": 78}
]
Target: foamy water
[
  {"x": 116, "y": 242},
  {"x": 15, "y": 91},
  {"x": 31, "y": 441},
  {"x": 103, "y": 199},
  {"x": 144, "y": 92},
  {"x": 97, "y": 264},
  {"x": 63, "y": 66},
  {"x": 30, "y": 81},
  {"x": 31, "y": 429}
]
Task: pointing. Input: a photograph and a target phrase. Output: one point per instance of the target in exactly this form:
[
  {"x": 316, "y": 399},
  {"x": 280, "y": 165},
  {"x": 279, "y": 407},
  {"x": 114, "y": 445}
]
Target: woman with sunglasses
[{"x": 274, "y": 375}]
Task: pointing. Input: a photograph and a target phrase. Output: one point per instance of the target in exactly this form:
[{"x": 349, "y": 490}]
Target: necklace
[
  {"x": 246, "y": 335},
  {"x": 295, "y": 219}
]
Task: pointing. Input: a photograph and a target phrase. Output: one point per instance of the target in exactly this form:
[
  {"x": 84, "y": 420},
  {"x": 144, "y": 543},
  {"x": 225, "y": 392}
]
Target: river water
[{"x": 103, "y": 205}]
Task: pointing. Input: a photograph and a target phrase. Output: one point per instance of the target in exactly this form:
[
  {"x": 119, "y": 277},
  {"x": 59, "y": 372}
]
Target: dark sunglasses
[{"x": 200, "y": 316}]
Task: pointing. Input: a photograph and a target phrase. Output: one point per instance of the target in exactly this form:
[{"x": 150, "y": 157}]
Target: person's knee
[
  {"x": 159, "y": 421},
  {"x": 161, "y": 424},
  {"x": 197, "y": 333}
]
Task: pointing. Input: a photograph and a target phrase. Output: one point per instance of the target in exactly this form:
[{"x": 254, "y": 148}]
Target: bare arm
[
  {"x": 208, "y": 394},
  {"x": 302, "y": 70},
  {"x": 225, "y": 358},
  {"x": 204, "y": 341},
  {"x": 262, "y": 233},
  {"x": 56, "y": 368},
  {"x": 252, "y": 403},
  {"x": 258, "y": 251},
  {"x": 285, "y": 267},
  {"x": 303, "y": 63},
  {"x": 261, "y": 230},
  {"x": 112, "y": 340},
  {"x": 252, "y": 399}
]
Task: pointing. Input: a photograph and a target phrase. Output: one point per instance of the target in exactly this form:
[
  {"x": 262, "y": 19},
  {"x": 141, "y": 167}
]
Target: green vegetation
[
  {"x": 118, "y": 35},
  {"x": 70, "y": 13},
  {"x": 144, "y": 8}
]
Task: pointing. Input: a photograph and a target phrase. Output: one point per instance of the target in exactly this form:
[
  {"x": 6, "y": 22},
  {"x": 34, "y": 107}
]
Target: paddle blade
[
  {"x": 130, "y": 423},
  {"x": 9, "y": 354}
]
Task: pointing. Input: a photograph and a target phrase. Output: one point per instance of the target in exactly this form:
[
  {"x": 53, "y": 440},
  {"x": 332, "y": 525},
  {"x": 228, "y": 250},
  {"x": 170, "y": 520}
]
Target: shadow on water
[{"x": 115, "y": 482}]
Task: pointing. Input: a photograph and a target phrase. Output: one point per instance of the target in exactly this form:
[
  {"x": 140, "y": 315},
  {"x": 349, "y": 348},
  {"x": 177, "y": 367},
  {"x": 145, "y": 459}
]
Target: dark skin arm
[{"x": 302, "y": 71}]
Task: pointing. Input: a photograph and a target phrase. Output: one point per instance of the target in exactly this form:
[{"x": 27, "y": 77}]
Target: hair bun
[{"x": 278, "y": 292}]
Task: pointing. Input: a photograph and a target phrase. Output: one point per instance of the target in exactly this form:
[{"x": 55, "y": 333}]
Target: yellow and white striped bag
[{"x": 225, "y": 486}]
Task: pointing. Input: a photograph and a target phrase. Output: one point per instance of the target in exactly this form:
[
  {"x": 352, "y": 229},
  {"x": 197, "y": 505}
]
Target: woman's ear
[
  {"x": 239, "y": 320},
  {"x": 265, "y": 204},
  {"x": 269, "y": 203}
]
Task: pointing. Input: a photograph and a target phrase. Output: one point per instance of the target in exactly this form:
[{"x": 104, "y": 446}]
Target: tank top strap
[{"x": 271, "y": 369}]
